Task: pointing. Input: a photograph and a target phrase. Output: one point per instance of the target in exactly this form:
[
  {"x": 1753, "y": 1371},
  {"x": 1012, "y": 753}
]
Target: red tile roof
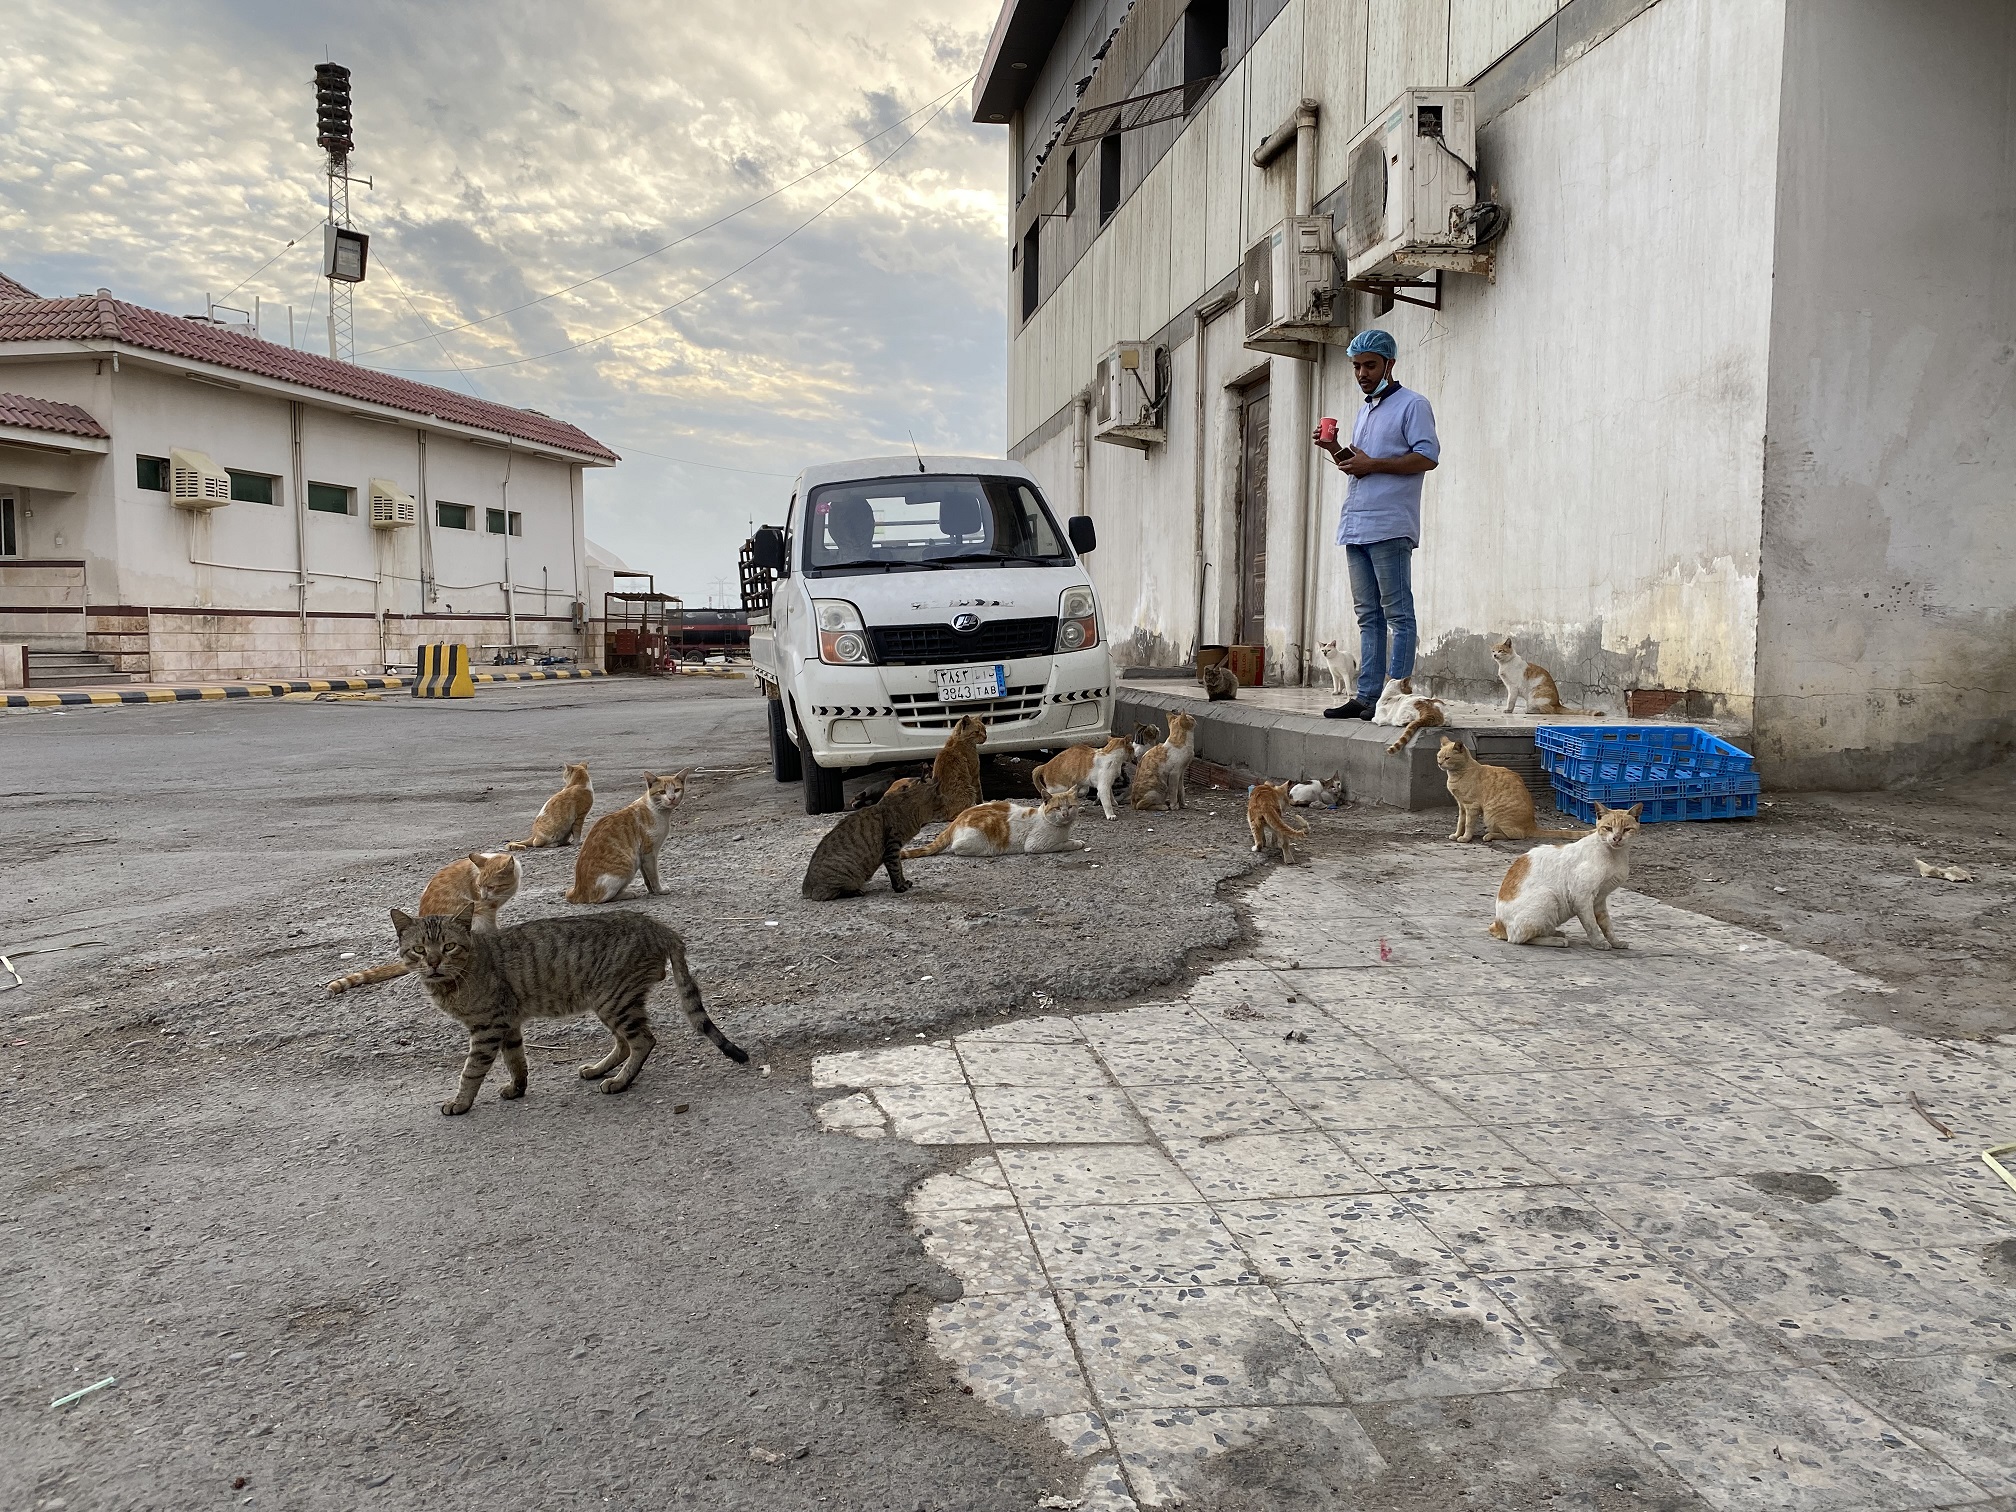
[
  {"x": 29, "y": 413},
  {"x": 104, "y": 318},
  {"x": 9, "y": 289}
]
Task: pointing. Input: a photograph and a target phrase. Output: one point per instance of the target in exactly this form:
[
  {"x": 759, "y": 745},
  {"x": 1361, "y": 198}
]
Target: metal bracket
[{"x": 1388, "y": 290}]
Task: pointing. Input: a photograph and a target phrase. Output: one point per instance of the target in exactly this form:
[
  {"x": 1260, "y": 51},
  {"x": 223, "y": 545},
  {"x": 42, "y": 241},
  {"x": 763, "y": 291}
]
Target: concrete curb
[
  {"x": 475, "y": 676},
  {"x": 103, "y": 696}
]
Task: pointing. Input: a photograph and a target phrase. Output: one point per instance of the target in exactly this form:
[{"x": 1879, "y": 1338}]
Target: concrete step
[{"x": 74, "y": 669}]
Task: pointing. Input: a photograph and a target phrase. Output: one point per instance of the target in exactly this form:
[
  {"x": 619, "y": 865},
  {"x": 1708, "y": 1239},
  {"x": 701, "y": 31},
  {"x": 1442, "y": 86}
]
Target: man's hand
[{"x": 1358, "y": 465}]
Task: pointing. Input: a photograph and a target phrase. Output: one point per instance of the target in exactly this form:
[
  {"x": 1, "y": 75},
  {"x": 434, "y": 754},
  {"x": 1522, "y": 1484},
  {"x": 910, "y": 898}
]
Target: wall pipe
[
  {"x": 510, "y": 597},
  {"x": 1206, "y": 313},
  {"x": 297, "y": 415},
  {"x": 1081, "y": 425}
]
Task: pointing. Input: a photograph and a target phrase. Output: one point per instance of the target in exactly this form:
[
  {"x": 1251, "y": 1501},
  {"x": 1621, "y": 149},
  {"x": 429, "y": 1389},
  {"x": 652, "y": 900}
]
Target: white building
[
  {"x": 279, "y": 572},
  {"x": 1735, "y": 425}
]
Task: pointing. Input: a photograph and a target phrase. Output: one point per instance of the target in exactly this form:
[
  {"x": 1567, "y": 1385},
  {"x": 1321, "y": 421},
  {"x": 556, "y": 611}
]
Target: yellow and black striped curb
[
  {"x": 195, "y": 695},
  {"x": 534, "y": 676}
]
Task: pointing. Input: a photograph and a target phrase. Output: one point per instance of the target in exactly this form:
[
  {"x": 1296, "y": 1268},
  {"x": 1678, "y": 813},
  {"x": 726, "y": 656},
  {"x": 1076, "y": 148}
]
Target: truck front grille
[
  {"x": 923, "y": 711},
  {"x": 936, "y": 645}
]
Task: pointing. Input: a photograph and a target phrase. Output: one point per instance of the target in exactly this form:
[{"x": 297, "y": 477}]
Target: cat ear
[
  {"x": 1637, "y": 809},
  {"x": 650, "y": 779},
  {"x": 463, "y": 914},
  {"x": 681, "y": 774},
  {"x": 1601, "y": 810},
  {"x": 476, "y": 859},
  {"x": 401, "y": 921}
]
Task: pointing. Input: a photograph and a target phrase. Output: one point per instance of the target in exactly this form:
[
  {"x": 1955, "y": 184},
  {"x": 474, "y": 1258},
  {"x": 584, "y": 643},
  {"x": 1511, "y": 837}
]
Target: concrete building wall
[{"x": 1888, "y": 645}]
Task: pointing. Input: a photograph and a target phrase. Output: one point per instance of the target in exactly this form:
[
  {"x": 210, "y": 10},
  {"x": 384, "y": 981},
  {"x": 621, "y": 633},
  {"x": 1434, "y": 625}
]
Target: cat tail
[
  {"x": 1421, "y": 722},
  {"x": 938, "y": 843},
  {"x": 529, "y": 843},
  {"x": 689, "y": 997},
  {"x": 384, "y": 972},
  {"x": 1288, "y": 822}
]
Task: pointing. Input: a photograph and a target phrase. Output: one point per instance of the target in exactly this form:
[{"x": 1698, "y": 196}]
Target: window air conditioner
[
  {"x": 1410, "y": 193},
  {"x": 1128, "y": 392},
  {"x": 195, "y": 482},
  {"x": 391, "y": 507},
  {"x": 1290, "y": 285}
]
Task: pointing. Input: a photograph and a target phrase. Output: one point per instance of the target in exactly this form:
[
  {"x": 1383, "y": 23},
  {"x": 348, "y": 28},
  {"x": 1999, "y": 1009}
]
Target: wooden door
[{"x": 1252, "y": 618}]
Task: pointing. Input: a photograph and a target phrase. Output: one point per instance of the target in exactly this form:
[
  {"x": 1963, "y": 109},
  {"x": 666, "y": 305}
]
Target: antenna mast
[{"x": 344, "y": 250}]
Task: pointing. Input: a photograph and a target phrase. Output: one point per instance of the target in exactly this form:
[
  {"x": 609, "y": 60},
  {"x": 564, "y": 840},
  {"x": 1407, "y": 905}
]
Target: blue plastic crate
[
  {"x": 1664, "y": 810},
  {"x": 1610, "y": 780},
  {"x": 1652, "y": 745}
]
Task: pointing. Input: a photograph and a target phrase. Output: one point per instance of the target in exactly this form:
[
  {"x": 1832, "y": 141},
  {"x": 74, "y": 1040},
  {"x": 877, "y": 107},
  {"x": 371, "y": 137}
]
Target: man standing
[{"x": 1393, "y": 443}]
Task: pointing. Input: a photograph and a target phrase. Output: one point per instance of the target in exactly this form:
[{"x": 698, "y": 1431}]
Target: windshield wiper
[
  {"x": 885, "y": 565},
  {"x": 974, "y": 556}
]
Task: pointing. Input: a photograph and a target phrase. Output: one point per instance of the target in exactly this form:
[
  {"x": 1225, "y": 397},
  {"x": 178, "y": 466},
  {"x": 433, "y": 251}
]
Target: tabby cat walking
[{"x": 551, "y": 968}]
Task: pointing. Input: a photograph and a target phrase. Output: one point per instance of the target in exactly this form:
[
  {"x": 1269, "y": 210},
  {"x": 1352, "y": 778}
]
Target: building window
[
  {"x": 1206, "y": 32},
  {"x": 1071, "y": 184},
  {"x": 493, "y": 521},
  {"x": 1109, "y": 176},
  {"x": 252, "y": 488},
  {"x": 153, "y": 473},
  {"x": 454, "y": 516},
  {"x": 517, "y": 523},
  {"x": 9, "y": 541},
  {"x": 1031, "y": 288},
  {"x": 327, "y": 498}
]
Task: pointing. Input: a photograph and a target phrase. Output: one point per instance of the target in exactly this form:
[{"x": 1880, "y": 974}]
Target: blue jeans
[{"x": 1382, "y": 589}]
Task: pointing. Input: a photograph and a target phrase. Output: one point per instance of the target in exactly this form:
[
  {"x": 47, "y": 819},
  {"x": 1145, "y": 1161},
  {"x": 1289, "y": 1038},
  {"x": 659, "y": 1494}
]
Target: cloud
[{"x": 166, "y": 151}]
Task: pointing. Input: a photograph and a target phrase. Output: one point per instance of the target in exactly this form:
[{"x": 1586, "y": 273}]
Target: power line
[
  {"x": 484, "y": 367},
  {"x": 401, "y": 288},
  {"x": 270, "y": 261},
  {"x": 938, "y": 103}
]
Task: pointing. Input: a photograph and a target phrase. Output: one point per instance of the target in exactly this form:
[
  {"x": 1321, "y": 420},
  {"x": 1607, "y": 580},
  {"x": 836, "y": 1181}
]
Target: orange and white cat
[
  {"x": 1264, "y": 817},
  {"x": 1003, "y": 828},
  {"x": 626, "y": 841},
  {"x": 1552, "y": 884},
  {"x": 1401, "y": 705},
  {"x": 560, "y": 820},
  {"x": 482, "y": 882},
  {"x": 1097, "y": 767},
  {"x": 1158, "y": 780},
  {"x": 1492, "y": 802},
  {"x": 1529, "y": 682}
]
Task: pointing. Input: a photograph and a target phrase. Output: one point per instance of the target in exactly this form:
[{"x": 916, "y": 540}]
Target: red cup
[{"x": 1326, "y": 432}]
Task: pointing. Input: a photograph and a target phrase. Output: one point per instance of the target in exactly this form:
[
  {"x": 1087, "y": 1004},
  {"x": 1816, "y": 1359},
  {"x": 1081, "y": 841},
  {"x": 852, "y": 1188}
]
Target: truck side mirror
[
  {"x": 1084, "y": 534},
  {"x": 767, "y": 549}
]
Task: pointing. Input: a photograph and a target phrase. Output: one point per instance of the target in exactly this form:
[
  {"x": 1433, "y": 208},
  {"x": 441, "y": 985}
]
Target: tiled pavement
[{"x": 1394, "y": 1205}]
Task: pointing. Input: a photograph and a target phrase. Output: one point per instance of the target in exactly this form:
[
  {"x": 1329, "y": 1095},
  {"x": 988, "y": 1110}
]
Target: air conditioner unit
[
  {"x": 1410, "y": 193},
  {"x": 195, "y": 482},
  {"x": 391, "y": 506},
  {"x": 1128, "y": 393},
  {"x": 1290, "y": 285}
]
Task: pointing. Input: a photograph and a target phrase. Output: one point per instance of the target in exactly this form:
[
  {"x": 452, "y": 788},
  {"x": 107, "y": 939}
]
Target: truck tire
[
  {"x": 784, "y": 763},
  {"x": 823, "y": 791}
]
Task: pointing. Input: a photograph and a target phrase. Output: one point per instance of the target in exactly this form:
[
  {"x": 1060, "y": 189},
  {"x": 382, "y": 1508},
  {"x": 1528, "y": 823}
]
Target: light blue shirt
[{"x": 1387, "y": 506}]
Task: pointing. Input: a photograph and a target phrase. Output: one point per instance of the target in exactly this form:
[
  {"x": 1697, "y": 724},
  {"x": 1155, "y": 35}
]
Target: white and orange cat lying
[
  {"x": 560, "y": 820},
  {"x": 482, "y": 882},
  {"x": 1083, "y": 766},
  {"x": 1002, "y": 828},
  {"x": 1399, "y": 704},
  {"x": 1534, "y": 684},
  {"x": 1552, "y": 884},
  {"x": 626, "y": 841}
]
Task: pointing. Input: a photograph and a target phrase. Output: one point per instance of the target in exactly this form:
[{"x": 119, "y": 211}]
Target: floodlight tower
[{"x": 344, "y": 251}]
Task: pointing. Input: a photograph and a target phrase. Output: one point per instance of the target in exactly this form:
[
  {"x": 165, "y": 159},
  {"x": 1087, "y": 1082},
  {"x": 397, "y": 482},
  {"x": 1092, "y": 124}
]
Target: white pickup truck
[{"x": 910, "y": 591}]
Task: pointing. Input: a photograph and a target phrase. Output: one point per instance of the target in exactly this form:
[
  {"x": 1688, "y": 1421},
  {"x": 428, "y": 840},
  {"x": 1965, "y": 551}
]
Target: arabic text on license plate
[{"x": 958, "y": 684}]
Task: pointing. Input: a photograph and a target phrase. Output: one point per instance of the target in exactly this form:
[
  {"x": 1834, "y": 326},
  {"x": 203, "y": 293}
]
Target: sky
[{"x": 167, "y": 151}]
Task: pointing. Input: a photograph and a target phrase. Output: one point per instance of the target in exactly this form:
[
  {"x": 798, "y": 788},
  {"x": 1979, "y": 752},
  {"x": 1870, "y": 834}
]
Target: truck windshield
[{"x": 927, "y": 522}]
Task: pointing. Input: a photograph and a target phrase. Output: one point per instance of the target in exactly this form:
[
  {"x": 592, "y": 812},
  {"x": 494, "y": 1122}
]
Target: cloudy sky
[{"x": 166, "y": 151}]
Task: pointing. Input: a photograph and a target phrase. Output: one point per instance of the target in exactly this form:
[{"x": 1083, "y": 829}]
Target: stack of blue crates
[{"x": 1676, "y": 771}]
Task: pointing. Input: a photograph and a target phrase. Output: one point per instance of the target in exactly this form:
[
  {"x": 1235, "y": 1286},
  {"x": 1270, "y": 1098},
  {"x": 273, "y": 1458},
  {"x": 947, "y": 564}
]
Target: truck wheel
[
  {"x": 823, "y": 792},
  {"x": 784, "y": 763}
]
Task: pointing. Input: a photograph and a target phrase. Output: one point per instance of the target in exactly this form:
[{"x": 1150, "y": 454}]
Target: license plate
[{"x": 961, "y": 684}]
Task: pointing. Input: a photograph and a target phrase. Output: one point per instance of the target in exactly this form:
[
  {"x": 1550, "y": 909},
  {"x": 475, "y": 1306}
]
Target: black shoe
[{"x": 1349, "y": 710}]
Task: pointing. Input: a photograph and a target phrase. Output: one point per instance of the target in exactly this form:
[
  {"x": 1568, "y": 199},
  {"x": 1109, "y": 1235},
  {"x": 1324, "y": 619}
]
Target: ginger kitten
[
  {"x": 560, "y": 820},
  {"x": 1492, "y": 802},
  {"x": 627, "y": 840},
  {"x": 1552, "y": 884},
  {"x": 481, "y": 882},
  {"x": 1264, "y": 817}
]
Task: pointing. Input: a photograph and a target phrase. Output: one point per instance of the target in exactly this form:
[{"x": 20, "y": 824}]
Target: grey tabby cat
[
  {"x": 606, "y": 964},
  {"x": 868, "y": 839}
]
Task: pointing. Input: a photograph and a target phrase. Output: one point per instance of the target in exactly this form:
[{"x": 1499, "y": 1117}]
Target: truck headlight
[
  {"x": 843, "y": 639},
  {"x": 1077, "y": 620}
]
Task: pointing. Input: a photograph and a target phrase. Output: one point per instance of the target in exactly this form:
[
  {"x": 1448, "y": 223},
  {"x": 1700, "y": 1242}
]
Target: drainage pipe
[
  {"x": 1081, "y": 426},
  {"x": 297, "y": 412},
  {"x": 1200, "y": 417}
]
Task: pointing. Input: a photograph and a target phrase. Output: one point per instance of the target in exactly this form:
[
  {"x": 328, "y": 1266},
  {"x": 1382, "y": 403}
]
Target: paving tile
[
  {"x": 1156, "y": 1023},
  {"x": 1269, "y": 1165},
  {"x": 855, "y": 1114},
  {"x": 1194, "y": 1346},
  {"x": 1241, "y": 1023},
  {"x": 1311, "y": 1458},
  {"x": 1108, "y": 1173},
  {"x": 932, "y": 1115},
  {"x": 1083, "y": 1434},
  {"x": 988, "y": 1250},
  {"x": 1138, "y": 1244},
  {"x": 1460, "y": 1052},
  {"x": 1061, "y": 1115},
  {"x": 1013, "y": 1351},
  {"x": 1387, "y": 1339},
  {"x": 1334, "y": 1238},
  {"x": 1201, "y": 1110},
  {"x": 1831, "y": 1306},
  {"x": 1186, "y": 1058},
  {"x": 1437, "y": 1159},
  {"x": 1331, "y": 1053},
  {"x": 1553, "y": 1448},
  {"x": 1635, "y": 1324},
  {"x": 1912, "y": 1207},
  {"x": 897, "y": 1066},
  {"x": 1104, "y": 1488},
  {"x": 1961, "y": 1407},
  {"x": 1613, "y": 1149},
  {"x": 1716, "y": 1217},
  {"x": 1366, "y": 1103},
  {"x": 1029, "y": 1031},
  {"x": 1746, "y": 1143},
  {"x": 1534, "y": 1096},
  {"x": 977, "y": 1184},
  {"x": 1067, "y": 1065},
  {"x": 1526, "y": 1228},
  {"x": 1790, "y": 1441},
  {"x": 1896, "y": 1135},
  {"x": 1574, "y": 1044}
]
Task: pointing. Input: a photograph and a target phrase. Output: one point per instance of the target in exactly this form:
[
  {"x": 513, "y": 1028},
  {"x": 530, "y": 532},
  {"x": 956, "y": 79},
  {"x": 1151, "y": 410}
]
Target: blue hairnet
[{"x": 1378, "y": 343}]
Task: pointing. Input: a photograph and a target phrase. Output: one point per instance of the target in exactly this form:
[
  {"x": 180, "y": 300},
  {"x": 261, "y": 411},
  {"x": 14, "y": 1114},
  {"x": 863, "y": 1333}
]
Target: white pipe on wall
[{"x": 298, "y": 416}]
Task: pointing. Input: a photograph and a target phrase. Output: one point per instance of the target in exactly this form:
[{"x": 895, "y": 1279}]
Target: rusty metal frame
[
  {"x": 1153, "y": 109},
  {"x": 1387, "y": 290}
]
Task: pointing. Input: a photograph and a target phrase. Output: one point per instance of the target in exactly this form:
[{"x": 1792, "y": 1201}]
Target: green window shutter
[
  {"x": 327, "y": 498},
  {"x": 251, "y": 488},
  {"x": 493, "y": 521},
  {"x": 453, "y": 516},
  {"x": 153, "y": 473}
]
